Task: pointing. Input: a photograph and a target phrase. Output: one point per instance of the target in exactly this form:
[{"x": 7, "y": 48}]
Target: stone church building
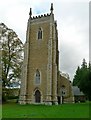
[{"x": 41, "y": 81}]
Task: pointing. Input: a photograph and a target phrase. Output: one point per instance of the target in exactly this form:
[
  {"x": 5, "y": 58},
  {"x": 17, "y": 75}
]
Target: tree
[
  {"x": 82, "y": 79},
  {"x": 12, "y": 55},
  {"x": 76, "y": 80},
  {"x": 87, "y": 85}
]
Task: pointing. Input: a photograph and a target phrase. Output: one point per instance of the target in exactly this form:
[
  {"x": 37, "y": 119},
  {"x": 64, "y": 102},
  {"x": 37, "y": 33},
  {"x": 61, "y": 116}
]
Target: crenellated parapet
[{"x": 40, "y": 16}]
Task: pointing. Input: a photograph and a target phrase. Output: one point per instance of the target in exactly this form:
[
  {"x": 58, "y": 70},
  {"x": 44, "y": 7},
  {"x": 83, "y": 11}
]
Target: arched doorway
[{"x": 37, "y": 96}]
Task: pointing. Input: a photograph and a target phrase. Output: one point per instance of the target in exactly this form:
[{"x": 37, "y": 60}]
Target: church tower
[{"x": 40, "y": 67}]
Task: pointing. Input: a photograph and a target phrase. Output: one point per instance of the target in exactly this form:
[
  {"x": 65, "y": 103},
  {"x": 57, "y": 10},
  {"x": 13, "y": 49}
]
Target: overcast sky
[{"x": 72, "y": 22}]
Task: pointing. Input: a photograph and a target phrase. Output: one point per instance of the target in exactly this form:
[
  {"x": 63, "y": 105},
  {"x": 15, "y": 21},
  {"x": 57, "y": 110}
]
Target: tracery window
[
  {"x": 37, "y": 77},
  {"x": 63, "y": 90},
  {"x": 40, "y": 33}
]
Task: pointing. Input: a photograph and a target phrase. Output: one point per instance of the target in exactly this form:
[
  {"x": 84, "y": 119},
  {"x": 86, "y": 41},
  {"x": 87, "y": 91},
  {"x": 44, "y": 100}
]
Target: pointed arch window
[
  {"x": 40, "y": 34},
  {"x": 37, "y": 77},
  {"x": 63, "y": 90}
]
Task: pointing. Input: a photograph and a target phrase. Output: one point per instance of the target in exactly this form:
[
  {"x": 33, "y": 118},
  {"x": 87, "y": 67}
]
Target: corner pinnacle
[
  {"x": 30, "y": 13},
  {"x": 51, "y": 8}
]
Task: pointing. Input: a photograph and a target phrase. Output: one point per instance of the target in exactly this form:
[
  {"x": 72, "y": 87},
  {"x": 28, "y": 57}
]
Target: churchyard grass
[
  {"x": 14, "y": 110},
  {"x": 0, "y": 111}
]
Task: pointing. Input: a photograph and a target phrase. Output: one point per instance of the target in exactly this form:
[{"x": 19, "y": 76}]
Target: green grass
[
  {"x": 78, "y": 110},
  {"x": 0, "y": 111}
]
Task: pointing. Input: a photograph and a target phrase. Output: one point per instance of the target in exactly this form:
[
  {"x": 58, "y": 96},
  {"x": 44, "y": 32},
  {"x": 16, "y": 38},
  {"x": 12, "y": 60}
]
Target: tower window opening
[
  {"x": 39, "y": 34},
  {"x": 37, "y": 79}
]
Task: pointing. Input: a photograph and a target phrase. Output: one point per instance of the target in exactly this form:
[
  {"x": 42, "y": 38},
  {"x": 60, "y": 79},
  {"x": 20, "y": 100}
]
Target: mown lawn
[
  {"x": 0, "y": 111},
  {"x": 77, "y": 110}
]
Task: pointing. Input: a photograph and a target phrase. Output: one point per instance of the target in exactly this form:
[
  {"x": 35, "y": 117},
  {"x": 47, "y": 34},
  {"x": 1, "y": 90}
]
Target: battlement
[{"x": 40, "y": 16}]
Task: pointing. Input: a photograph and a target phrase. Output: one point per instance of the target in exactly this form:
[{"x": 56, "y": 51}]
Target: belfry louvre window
[
  {"x": 40, "y": 33},
  {"x": 37, "y": 79}
]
